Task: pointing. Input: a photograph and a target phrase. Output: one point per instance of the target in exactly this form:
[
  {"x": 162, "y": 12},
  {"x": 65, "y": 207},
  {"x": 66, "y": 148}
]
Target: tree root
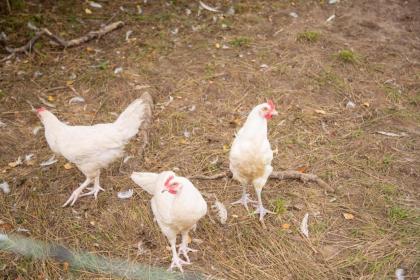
[
  {"x": 62, "y": 42},
  {"x": 278, "y": 175}
]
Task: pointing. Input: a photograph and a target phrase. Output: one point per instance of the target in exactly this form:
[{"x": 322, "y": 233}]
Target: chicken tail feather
[
  {"x": 136, "y": 114},
  {"x": 146, "y": 180}
]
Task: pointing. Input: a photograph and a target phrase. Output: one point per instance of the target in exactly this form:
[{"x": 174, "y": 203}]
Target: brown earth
[{"x": 298, "y": 62}]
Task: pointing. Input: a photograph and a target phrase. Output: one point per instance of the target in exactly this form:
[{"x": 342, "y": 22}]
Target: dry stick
[
  {"x": 63, "y": 43},
  {"x": 279, "y": 175}
]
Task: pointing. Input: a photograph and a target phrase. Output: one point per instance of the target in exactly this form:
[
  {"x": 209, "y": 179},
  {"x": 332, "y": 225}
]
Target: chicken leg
[
  {"x": 260, "y": 208},
  {"x": 183, "y": 248},
  {"x": 95, "y": 189},
  {"x": 244, "y": 199},
  {"x": 176, "y": 260},
  {"x": 76, "y": 194}
]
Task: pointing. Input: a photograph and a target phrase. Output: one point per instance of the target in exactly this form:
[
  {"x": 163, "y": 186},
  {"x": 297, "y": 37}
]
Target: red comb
[
  {"x": 39, "y": 110},
  {"x": 168, "y": 181},
  {"x": 271, "y": 104}
]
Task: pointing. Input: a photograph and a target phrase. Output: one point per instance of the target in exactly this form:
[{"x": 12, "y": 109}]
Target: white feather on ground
[
  {"x": 221, "y": 211},
  {"x": 304, "y": 225}
]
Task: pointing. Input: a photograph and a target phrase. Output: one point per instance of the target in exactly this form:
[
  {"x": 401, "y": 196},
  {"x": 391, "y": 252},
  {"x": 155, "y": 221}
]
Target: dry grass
[{"x": 376, "y": 177}]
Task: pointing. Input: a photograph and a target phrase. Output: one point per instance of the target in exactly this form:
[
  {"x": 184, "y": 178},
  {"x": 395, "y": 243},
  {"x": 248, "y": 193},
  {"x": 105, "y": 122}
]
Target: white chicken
[
  {"x": 91, "y": 148},
  {"x": 251, "y": 155},
  {"x": 177, "y": 206}
]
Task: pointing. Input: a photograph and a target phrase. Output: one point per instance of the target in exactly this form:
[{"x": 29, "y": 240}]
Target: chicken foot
[
  {"x": 76, "y": 193},
  {"x": 244, "y": 199}
]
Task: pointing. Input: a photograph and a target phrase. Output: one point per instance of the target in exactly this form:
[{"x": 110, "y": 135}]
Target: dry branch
[
  {"x": 64, "y": 43},
  {"x": 278, "y": 175}
]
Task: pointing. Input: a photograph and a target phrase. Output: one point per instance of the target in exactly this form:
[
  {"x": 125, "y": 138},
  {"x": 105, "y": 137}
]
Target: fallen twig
[
  {"x": 278, "y": 175},
  {"x": 62, "y": 42}
]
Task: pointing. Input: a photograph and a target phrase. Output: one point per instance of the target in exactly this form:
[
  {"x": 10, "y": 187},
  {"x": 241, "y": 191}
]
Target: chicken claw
[
  {"x": 244, "y": 200},
  {"x": 95, "y": 190},
  {"x": 178, "y": 262},
  {"x": 262, "y": 211}
]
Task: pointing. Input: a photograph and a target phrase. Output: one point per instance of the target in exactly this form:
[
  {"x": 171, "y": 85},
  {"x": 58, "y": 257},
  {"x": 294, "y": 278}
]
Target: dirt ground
[{"x": 216, "y": 68}]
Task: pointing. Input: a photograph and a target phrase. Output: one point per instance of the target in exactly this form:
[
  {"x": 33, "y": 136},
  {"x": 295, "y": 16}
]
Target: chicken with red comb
[
  {"x": 177, "y": 206},
  {"x": 92, "y": 148},
  {"x": 251, "y": 155}
]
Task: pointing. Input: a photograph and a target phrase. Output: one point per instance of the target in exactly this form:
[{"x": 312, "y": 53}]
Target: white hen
[
  {"x": 91, "y": 148},
  {"x": 251, "y": 155},
  {"x": 177, "y": 206}
]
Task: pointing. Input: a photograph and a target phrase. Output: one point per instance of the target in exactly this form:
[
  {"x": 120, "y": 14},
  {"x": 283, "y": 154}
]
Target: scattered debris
[
  {"x": 29, "y": 157},
  {"x": 21, "y": 229},
  {"x": 293, "y": 14},
  {"x": 399, "y": 274},
  {"x": 2, "y": 124},
  {"x": 192, "y": 108},
  {"x": 68, "y": 166},
  {"x": 5, "y": 187},
  {"x": 366, "y": 104},
  {"x": 263, "y": 66},
  {"x": 95, "y": 5},
  {"x": 391, "y": 134},
  {"x": 174, "y": 31},
  {"x": 125, "y": 194},
  {"x": 208, "y": 8},
  {"x": 88, "y": 11},
  {"x": 187, "y": 12},
  {"x": 350, "y": 105},
  {"x": 221, "y": 211},
  {"x": 187, "y": 134},
  {"x": 128, "y": 34},
  {"x": 333, "y": 1},
  {"x": 118, "y": 70},
  {"x": 348, "y": 216},
  {"x": 16, "y": 163},
  {"x": 37, "y": 74},
  {"x": 76, "y": 99},
  {"x": 285, "y": 226},
  {"x": 50, "y": 161},
  {"x": 214, "y": 161},
  {"x": 32, "y": 26},
  {"x": 230, "y": 11},
  {"x": 140, "y": 248},
  {"x": 46, "y": 103},
  {"x": 304, "y": 225},
  {"x": 139, "y": 9},
  {"x": 197, "y": 241},
  {"x": 36, "y": 129},
  {"x": 127, "y": 158},
  {"x": 167, "y": 102},
  {"x": 330, "y": 18},
  {"x": 319, "y": 111}
]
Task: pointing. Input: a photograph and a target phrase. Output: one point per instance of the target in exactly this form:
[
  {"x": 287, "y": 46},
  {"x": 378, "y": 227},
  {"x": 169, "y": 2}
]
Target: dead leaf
[
  {"x": 304, "y": 225},
  {"x": 89, "y": 49},
  {"x": 226, "y": 148},
  {"x": 6, "y": 227},
  {"x": 302, "y": 169},
  {"x": 88, "y": 11},
  {"x": 51, "y": 98},
  {"x": 68, "y": 166},
  {"x": 319, "y": 111},
  {"x": 285, "y": 226},
  {"x": 66, "y": 266},
  {"x": 217, "y": 46},
  {"x": 183, "y": 141},
  {"x": 69, "y": 82},
  {"x": 16, "y": 163},
  {"x": 348, "y": 216},
  {"x": 366, "y": 104}
]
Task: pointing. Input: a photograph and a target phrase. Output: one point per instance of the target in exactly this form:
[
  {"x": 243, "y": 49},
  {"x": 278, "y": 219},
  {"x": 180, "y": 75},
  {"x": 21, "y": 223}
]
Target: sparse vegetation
[
  {"x": 347, "y": 56},
  {"x": 240, "y": 42},
  {"x": 308, "y": 36},
  {"x": 375, "y": 176}
]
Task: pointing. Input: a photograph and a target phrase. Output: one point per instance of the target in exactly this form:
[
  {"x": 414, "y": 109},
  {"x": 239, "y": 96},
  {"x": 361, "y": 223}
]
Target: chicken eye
[{"x": 264, "y": 109}]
